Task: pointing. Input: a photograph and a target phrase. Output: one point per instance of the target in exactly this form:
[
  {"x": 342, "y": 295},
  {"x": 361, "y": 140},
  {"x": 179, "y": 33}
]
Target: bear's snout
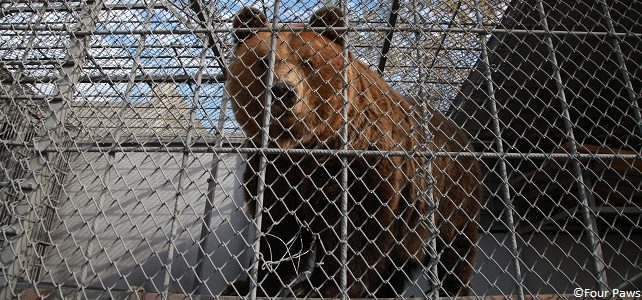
[{"x": 284, "y": 94}]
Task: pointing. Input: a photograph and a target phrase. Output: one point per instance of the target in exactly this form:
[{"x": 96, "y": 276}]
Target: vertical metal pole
[
  {"x": 211, "y": 187},
  {"x": 392, "y": 22},
  {"x": 432, "y": 270},
  {"x": 51, "y": 134},
  {"x": 343, "y": 278},
  {"x": 265, "y": 136},
  {"x": 508, "y": 201},
  {"x": 212, "y": 183},
  {"x": 587, "y": 215},
  {"x": 216, "y": 158},
  {"x": 622, "y": 66},
  {"x": 212, "y": 180},
  {"x": 432, "y": 202},
  {"x": 93, "y": 240},
  {"x": 203, "y": 18},
  {"x": 179, "y": 197},
  {"x": 444, "y": 35},
  {"x": 589, "y": 183}
]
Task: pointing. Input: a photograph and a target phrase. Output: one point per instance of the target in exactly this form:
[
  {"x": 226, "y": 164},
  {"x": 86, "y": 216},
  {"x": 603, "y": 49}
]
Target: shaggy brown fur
[{"x": 387, "y": 204}]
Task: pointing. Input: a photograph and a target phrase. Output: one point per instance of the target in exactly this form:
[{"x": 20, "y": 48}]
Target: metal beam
[
  {"x": 213, "y": 41},
  {"x": 47, "y": 30},
  {"x": 503, "y": 173},
  {"x": 592, "y": 234},
  {"x": 219, "y": 78},
  {"x": 443, "y": 37},
  {"x": 392, "y": 22}
]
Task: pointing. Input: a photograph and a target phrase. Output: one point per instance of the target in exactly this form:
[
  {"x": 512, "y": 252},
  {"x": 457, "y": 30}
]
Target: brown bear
[{"x": 309, "y": 87}]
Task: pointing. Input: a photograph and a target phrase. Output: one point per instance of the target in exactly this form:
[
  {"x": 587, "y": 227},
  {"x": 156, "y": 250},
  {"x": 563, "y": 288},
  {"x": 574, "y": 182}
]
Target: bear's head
[{"x": 306, "y": 70}]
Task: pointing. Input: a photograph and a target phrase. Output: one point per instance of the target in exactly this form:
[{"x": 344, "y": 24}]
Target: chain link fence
[{"x": 429, "y": 149}]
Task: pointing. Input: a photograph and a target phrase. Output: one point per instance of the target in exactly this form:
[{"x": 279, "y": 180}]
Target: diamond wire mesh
[{"x": 122, "y": 162}]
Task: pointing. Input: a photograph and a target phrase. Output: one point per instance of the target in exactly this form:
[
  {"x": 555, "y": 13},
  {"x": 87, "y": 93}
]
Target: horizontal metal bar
[
  {"x": 52, "y": 65},
  {"x": 72, "y": 8},
  {"x": 103, "y": 46},
  {"x": 42, "y": 30},
  {"x": 199, "y": 46},
  {"x": 31, "y": 97},
  {"x": 172, "y": 78},
  {"x": 219, "y": 78},
  {"x": 70, "y": 289},
  {"x": 67, "y": 288},
  {"x": 426, "y": 81},
  {"x": 142, "y": 57},
  {"x": 35, "y": 61},
  {"x": 181, "y": 148}
]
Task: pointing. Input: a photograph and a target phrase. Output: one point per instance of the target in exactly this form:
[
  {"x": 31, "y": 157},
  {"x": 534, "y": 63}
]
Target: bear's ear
[
  {"x": 248, "y": 17},
  {"x": 329, "y": 17}
]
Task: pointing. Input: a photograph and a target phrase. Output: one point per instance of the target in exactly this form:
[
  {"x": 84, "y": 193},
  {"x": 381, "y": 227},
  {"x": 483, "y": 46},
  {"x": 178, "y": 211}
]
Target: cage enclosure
[{"x": 428, "y": 149}]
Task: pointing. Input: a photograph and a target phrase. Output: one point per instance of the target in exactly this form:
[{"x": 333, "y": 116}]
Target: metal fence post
[
  {"x": 343, "y": 228},
  {"x": 178, "y": 200},
  {"x": 265, "y": 136},
  {"x": 209, "y": 42},
  {"x": 432, "y": 202},
  {"x": 111, "y": 156},
  {"x": 424, "y": 105},
  {"x": 211, "y": 193},
  {"x": 209, "y": 203},
  {"x": 615, "y": 41},
  {"x": 196, "y": 103},
  {"x": 508, "y": 201},
  {"x": 588, "y": 216}
]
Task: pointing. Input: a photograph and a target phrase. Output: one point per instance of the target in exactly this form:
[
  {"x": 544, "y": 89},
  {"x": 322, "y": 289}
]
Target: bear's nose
[{"x": 284, "y": 94}]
